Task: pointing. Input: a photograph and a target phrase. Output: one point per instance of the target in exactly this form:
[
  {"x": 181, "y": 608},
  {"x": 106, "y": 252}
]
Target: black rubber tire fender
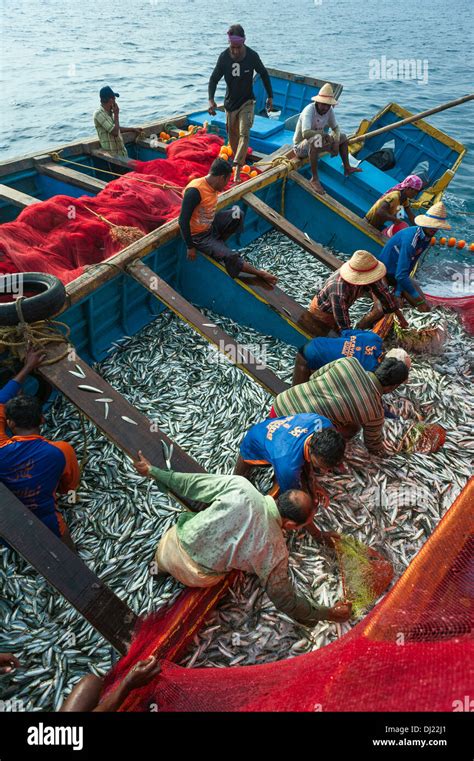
[{"x": 48, "y": 299}]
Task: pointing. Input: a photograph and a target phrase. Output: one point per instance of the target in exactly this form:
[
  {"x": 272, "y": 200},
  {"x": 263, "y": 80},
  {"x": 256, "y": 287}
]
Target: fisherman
[
  {"x": 106, "y": 122},
  {"x": 240, "y": 530},
  {"x": 311, "y": 136},
  {"x": 296, "y": 447},
  {"x": 32, "y": 467},
  {"x": 390, "y": 204},
  {"x": 205, "y": 230},
  {"x": 86, "y": 694},
  {"x": 364, "y": 345},
  {"x": 8, "y": 663},
  {"x": 361, "y": 275},
  {"x": 401, "y": 253},
  {"x": 349, "y": 396},
  {"x": 237, "y": 65}
]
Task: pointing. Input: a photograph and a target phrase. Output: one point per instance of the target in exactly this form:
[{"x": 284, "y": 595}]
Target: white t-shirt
[{"x": 310, "y": 118}]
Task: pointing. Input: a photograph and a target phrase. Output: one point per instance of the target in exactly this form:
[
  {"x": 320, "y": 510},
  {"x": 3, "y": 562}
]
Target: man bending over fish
[
  {"x": 311, "y": 137},
  {"x": 205, "y": 230},
  {"x": 242, "y": 530},
  {"x": 362, "y": 275},
  {"x": 32, "y": 467},
  {"x": 401, "y": 253},
  {"x": 364, "y": 345},
  {"x": 349, "y": 396},
  {"x": 296, "y": 446}
]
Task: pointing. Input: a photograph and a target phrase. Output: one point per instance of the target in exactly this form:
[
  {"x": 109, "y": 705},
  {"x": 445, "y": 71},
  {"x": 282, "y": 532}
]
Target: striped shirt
[
  {"x": 343, "y": 392},
  {"x": 104, "y": 124},
  {"x": 336, "y": 297}
]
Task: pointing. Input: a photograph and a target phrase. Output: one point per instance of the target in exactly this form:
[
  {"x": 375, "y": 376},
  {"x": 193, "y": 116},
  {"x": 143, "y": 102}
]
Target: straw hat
[
  {"x": 326, "y": 95},
  {"x": 399, "y": 354},
  {"x": 362, "y": 269},
  {"x": 435, "y": 217}
]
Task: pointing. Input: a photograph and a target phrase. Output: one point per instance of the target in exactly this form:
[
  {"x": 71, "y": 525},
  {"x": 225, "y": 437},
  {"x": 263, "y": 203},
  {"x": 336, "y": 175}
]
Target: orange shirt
[{"x": 203, "y": 215}]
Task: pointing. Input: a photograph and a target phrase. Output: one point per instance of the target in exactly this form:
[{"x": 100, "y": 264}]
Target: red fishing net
[
  {"x": 62, "y": 235},
  {"x": 413, "y": 652},
  {"x": 463, "y": 305}
]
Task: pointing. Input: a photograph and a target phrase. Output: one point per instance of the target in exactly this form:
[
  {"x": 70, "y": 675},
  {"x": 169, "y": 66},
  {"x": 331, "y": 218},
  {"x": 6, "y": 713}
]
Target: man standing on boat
[
  {"x": 241, "y": 529},
  {"x": 362, "y": 275},
  {"x": 311, "y": 136},
  {"x": 205, "y": 230},
  {"x": 403, "y": 250},
  {"x": 106, "y": 122},
  {"x": 390, "y": 204},
  {"x": 237, "y": 65},
  {"x": 32, "y": 467}
]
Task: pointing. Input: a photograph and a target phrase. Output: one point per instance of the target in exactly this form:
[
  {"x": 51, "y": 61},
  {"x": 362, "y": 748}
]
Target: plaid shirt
[
  {"x": 336, "y": 297},
  {"x": 104, "y": 124}
]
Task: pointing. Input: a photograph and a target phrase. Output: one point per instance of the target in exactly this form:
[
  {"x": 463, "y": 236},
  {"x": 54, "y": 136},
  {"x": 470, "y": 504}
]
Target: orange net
[{"x": 413, "y": 652}]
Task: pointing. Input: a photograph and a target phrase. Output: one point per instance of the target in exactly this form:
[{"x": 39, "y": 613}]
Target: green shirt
[
  {"x": 104, "y": 124},
  {"x": 241, "y": 530},
  {"x": 343, "y": 392}
]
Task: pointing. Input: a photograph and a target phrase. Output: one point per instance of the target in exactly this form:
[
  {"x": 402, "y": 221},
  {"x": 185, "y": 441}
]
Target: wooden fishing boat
[{"x": 153, "y": 274}]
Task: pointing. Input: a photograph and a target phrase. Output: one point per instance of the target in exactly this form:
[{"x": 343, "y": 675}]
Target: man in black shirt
[{"x": 237, "y": 65}]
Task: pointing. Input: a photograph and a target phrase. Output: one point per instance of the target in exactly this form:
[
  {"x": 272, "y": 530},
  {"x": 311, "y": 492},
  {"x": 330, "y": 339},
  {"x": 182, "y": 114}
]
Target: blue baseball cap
[{"x": 106, "y": 93}]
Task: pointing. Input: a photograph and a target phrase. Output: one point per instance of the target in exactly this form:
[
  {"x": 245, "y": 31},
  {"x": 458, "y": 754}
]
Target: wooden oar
[{"x": 409, "y": 119}]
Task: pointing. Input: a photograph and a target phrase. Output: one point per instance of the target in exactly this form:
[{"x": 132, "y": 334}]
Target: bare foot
[
  {"x": 316, "y": 185},
  {"x": 350, "y": 170},
  {"x": 271, "y": 279}
]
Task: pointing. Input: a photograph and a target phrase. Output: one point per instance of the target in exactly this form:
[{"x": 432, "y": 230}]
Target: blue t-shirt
[
  {"x": 281, "y": 442},
  {"x": 364, "y": 345},
  {"x": 400, "y": 255},
  {"x": 33, "y": 468}
]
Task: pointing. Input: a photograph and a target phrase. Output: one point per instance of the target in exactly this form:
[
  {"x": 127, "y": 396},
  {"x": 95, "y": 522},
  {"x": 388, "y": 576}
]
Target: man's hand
[
  {"x": 115, "y": 109},
  {"x": 269, "y": 104},
  {"x": 423, "y": 306},
  {"x": 329, "y": 538},
  {"x": 142, "y": 673},
  {"x": 403, "y": 323},
  {"x": 33, "y": 358},
  {"x": 191, "y": 254},
  {"x": 8, "y": 662},
  {"x": 319, "y": 495},
  {"x": 340, "y": 612},
  {"x": 212, "y": 107},
  {"x": 142, "y": 465}
]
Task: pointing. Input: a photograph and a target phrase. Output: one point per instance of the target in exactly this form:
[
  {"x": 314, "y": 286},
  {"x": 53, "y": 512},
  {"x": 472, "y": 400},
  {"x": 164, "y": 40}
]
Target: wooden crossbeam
[
  {"x": 121, "y": 162},
  {"x": 71, "y": 176},
  {"x": 200, "y": 323},
  {"x": 291, "y": 231},
  {"x": 16, "y": 197},
  {"x": 127, "y": 428},
  {"x": 65, "y": 571}
]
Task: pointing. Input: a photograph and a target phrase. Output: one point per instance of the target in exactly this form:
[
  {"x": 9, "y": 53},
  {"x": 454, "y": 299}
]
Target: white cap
[{"x": 401, "y": 355}]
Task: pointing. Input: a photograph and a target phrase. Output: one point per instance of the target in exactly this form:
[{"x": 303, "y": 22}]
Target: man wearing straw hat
[
  {"x": 311, "y": 137},
  {"x": 404, "y": 249},
  {"x": 362, "y": 275}
]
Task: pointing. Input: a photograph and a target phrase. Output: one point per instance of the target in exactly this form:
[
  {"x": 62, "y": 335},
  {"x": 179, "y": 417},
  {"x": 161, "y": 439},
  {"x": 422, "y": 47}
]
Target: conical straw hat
[
  {"x": 436, "y": 216},
  {"x": 326, "y": 95},
  {"x": 362, "y": 269}
]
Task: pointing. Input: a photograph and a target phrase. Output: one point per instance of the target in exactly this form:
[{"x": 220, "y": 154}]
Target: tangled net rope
[{"x": 365, "y": 573}]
